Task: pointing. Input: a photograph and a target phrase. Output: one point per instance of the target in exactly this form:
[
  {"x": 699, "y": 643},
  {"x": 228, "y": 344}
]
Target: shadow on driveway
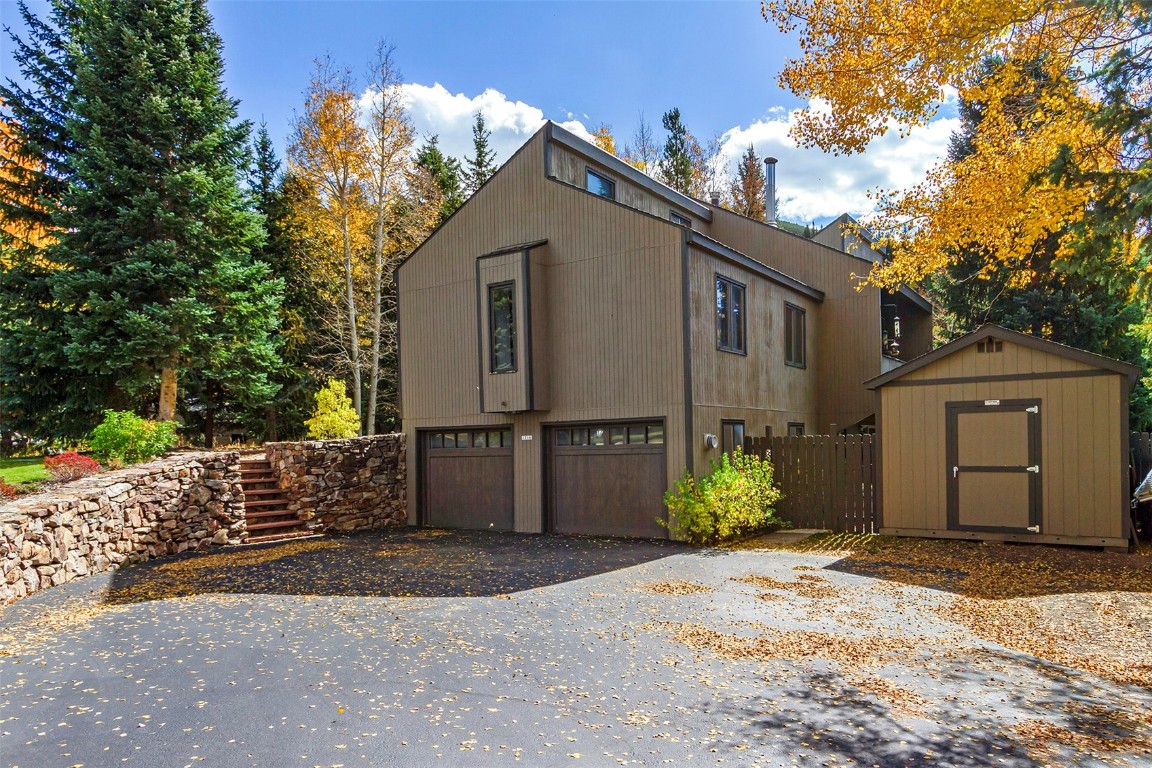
[{"x": 399, "y": 562}]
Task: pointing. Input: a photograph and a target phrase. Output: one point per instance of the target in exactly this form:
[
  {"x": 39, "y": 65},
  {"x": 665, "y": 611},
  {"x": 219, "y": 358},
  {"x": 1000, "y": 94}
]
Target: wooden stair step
[
  {"x": 270, "y": 513},
  {"x": 275, "y": 524},
  {"x": 256, "y": 471},
  {"x": 264, "y": 503},
  {"x": 262, "y": 491}
]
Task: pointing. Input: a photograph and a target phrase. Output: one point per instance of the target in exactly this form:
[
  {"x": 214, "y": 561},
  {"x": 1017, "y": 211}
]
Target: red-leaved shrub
[
  {"x": 70, "y": 466},
  {"x": 7, "y": 491}
]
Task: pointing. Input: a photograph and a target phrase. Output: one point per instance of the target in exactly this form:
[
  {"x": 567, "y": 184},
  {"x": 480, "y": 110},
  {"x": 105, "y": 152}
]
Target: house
[
  {"x": 577, "y": 334},
  {"x": 1002, "y": 436}
]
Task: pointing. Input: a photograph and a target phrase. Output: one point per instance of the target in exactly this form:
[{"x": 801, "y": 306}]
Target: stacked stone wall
[
  {"x": 344, "y": 485},
  {"x": 180, "y": 502}
]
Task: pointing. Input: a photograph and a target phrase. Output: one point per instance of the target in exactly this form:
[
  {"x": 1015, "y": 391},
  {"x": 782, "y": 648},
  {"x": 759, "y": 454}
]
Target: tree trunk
[
  {"x": 167, "y": 410},
  {"x": 353, "y": 333},
  {"x": 210, "y": 414},
  {"x": 377, "y": 321},
  {"x": 270, "y": 417}
]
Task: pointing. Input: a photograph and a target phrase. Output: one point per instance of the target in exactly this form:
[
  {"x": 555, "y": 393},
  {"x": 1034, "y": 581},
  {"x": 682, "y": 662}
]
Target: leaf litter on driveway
[{"x": 422, "y": 648}]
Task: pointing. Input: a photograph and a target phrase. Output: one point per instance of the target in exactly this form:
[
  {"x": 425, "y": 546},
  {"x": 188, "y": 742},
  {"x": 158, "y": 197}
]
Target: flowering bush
[
  {"x": 736, "y": 498},
  {"x": 7, "y": 491},
  {"x": 125, "y": 438},
  {"x": 70, "y": 466}
]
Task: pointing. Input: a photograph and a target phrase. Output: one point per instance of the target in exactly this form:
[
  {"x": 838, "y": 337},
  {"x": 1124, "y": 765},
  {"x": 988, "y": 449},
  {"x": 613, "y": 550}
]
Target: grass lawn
[{"x": 18, "y": 471}]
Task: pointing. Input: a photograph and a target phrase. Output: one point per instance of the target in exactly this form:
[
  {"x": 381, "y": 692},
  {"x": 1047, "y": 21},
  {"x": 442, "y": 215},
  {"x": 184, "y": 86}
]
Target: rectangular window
[
  {"x": 600, "y": 185},
  {"x": 501, "y": 328},
  {"x": 795, "y": 343},
  {"x": 678, "y": 219},
  {"x": 795, "y": 428},
  {"x": 731, "y": 435},
  {"x": 729, "y": 315}
]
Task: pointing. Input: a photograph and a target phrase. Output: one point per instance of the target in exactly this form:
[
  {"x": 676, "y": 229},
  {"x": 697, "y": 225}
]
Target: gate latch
[
  {"x": 1034, "y": 528},
  {"x": 1033, "y": 409},
  {"x": 1034, "y": 468}
]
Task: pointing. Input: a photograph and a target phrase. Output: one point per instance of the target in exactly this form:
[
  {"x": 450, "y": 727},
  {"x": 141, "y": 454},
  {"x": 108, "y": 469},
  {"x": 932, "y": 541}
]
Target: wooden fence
[{"x": 828, "y": 482}]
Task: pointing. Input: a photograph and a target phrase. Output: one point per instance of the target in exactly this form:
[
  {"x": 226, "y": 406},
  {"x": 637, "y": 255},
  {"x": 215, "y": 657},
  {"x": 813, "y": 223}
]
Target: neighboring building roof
[
  {"x": 996, "y": 332},
  {"x": 717, "y": 248},
  {"x": 639, "y": 178}
]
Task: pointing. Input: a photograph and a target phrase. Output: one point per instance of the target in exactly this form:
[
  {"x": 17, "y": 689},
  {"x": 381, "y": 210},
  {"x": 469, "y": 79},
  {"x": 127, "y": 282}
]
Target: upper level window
[
  {"x": 501, "y": 327},
  {"x": 731, "y": 435},
  {"x": 678, "y": 219},
  {"x": 795, "y": 343},
  {"x": 729, "y": 315},
  {"x": 600, "y": 185},
  {"x": 795, "y": 429}
]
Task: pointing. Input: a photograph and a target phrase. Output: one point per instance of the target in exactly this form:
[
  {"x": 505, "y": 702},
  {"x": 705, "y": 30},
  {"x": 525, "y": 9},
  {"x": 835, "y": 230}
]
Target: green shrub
[
  {"x": 735, "y": 499},
  {"x": 334, "y": 417},
  {"x": 125, "y": 438}
]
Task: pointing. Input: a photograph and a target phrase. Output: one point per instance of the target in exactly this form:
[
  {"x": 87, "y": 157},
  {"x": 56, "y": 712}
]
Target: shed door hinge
[
  {"x": 1034, "y": 528},
  {"x": 1034, "y": 468},
  {"x": 1033, "y": 409}
]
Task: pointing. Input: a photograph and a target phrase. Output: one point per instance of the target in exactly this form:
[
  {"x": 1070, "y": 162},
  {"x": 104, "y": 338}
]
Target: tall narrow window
[
  {"x": 729, "y": 315},
  {"x": 795, "y": 344},
  {"x": 600, "y": 185},
  {"x": 501, "y": 328},
  {"x": 731, "y": 435}
]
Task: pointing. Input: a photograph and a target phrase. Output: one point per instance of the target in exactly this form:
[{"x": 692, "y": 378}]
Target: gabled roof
[
  {"x": 1023, "y": 339},
  {"x": 589, "y": 150},
  {"x": 717, "y": 248}
]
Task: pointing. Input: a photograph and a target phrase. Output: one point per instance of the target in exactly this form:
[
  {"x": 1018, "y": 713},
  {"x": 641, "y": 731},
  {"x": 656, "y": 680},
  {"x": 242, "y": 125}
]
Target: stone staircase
[{"x": 265, "y": 504}]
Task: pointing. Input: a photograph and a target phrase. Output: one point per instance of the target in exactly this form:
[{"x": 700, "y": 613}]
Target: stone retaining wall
[
  {"x": 342, "y": 485},
  {"x": 180, "y": 502}
]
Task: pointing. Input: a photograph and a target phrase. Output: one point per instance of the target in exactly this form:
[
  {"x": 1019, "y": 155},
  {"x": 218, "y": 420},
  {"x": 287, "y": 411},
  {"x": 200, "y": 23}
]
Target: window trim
[
  {"x": 743, "y": 316},
  {"x": 724, "y": 423},
  {"x": 589, "y": 171},
  {"x": 678, "y": 220},
  {"x": 492, "y": 369},
  {"x": 789, "y": 310}
]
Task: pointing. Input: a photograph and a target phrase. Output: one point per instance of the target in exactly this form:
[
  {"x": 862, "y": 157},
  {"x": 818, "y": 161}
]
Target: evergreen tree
[
  {"x": 675, "y": 163},
  {"x": 482, "y": 164},
  {"x": 39, "y": 395},
  {"x": 445, "y": 172},
  {"x": 155, "y": 236},
  {"x": 748, "y": 187}
]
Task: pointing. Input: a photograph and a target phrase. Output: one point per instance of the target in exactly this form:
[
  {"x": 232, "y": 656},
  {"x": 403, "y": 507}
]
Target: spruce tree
[
  {"x": 675, "y": 163},
  {"x": 445, "y": 172},
  {"x": 482, "y": 164},
  {"x": 39, "y": 395},
  {"x": 155, "y": 234}
]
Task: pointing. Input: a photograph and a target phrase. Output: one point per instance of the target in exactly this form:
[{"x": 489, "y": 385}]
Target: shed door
[
  {"x": 994, "y": 466},
  {"x": 468, "y": 479},
  {"x": 607, "y": 479}
]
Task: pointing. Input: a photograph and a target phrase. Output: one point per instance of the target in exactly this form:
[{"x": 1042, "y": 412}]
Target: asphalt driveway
[{"x": 422, "y": 648}]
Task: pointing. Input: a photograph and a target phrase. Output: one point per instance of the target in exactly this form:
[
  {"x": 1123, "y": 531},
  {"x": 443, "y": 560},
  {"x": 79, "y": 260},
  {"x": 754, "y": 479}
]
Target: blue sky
[{"x": 573, "y": 62}]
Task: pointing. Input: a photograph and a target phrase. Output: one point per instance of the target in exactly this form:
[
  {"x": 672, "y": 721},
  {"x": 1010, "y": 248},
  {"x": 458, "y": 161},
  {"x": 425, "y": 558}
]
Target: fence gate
[{"x": 828, "y": 481}]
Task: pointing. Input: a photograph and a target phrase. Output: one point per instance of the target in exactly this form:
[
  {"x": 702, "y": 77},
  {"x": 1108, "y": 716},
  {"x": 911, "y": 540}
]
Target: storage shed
[{"x": 1002, "y": 436}]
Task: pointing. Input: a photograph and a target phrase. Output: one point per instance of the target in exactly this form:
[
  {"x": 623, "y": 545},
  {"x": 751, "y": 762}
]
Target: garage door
[
  {"x": 607, "y": 479},
  {"x": 468, "y": 479}
]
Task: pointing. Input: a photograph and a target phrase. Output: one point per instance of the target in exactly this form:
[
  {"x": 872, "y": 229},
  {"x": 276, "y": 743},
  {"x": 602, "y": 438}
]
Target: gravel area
[{"x": 431, "y": 648}]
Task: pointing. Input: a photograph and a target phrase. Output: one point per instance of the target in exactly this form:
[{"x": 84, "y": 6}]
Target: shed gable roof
[{"x": 991, "y": 331}]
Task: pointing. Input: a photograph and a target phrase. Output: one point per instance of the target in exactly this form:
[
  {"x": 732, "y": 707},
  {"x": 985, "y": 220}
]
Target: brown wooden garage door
[
  {"x": 468, "y": 479},
  {"x": 607, "y": 479}
]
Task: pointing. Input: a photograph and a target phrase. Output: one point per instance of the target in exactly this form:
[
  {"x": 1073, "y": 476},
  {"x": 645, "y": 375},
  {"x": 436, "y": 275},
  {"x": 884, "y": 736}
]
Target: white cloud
[
  {"x": 813, "y": 186},
  {"x": 435, "y": 110}
]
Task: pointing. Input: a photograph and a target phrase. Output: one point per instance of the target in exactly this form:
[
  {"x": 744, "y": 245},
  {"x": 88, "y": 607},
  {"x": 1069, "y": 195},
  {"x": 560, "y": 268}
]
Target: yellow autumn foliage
[{"x": 870, "y": 66}]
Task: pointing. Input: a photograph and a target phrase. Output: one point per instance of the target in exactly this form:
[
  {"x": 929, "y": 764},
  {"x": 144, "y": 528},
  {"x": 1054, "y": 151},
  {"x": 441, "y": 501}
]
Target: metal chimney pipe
[{"x": 770, "y": 191}]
